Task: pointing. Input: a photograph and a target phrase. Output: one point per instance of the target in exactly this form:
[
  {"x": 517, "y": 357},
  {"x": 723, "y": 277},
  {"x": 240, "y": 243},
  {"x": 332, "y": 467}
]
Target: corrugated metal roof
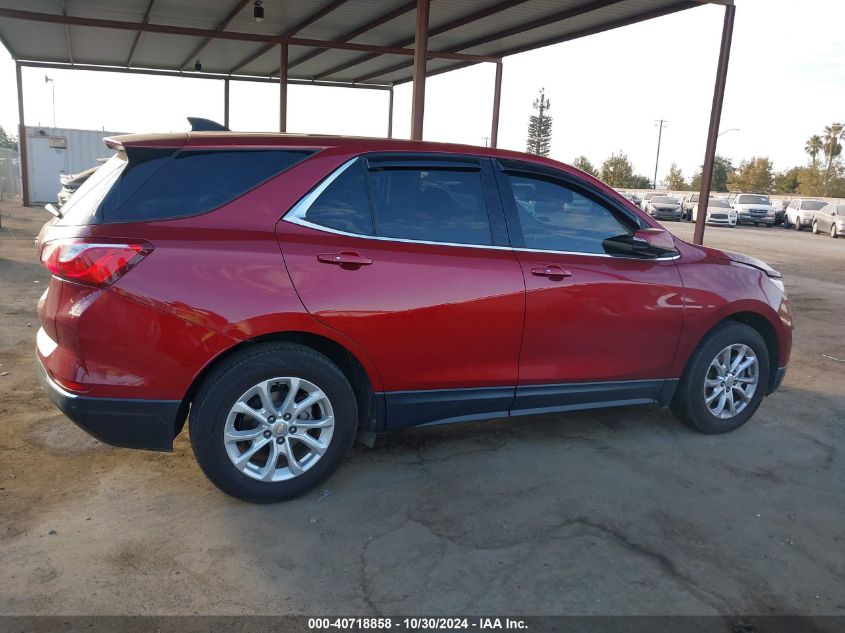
[{"x": 483, "y": 27}]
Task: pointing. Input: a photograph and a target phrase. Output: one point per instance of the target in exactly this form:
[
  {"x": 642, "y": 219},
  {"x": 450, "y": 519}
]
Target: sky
[{"x": 786, "y": 82}]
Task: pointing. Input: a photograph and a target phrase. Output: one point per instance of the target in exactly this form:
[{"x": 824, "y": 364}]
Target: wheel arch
[
  {"x": 762, "y": 325},
  {"x": 370, "y": 413}
]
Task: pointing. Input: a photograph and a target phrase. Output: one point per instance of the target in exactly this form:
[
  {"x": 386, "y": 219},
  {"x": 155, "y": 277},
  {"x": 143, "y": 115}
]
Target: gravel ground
[{"x": 622, "y": 511}]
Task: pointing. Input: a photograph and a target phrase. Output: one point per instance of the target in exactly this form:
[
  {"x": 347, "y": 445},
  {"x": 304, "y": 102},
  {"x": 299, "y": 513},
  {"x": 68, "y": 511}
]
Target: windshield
[
  {"x": 664, "y": 200},
  {"x": 718, "y": 202},
  {"x": 746, "y": 199},
  {"x": 83, "y": 204}
]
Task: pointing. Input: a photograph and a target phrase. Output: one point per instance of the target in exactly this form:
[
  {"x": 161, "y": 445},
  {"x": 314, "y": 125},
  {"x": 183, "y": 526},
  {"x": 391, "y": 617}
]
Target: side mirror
[{"x": 645, "y": 243}]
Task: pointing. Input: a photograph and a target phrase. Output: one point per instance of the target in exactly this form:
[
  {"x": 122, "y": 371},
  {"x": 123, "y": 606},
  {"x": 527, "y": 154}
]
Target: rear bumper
[{"x": 129, "y": 423}]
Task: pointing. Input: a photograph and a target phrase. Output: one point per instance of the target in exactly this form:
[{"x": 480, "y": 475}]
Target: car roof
[{"x": 350, "y": 144}]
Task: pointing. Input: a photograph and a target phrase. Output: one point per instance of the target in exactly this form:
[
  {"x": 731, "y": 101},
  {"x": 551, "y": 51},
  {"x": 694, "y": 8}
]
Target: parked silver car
[
  {"x": 664, "y": 208},
  {"x": 830, "y": 219}
]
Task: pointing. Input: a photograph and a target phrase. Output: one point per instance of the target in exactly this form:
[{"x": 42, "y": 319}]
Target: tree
[
  {"x": 7, "y": 141},
  {"x": 754, "y": 174},
  {"x": 814, "y": 147},
  {"x": 639, "y": 182},
  {"x": 833, "y": 133},
  {"x": 540, "y": 127},
  {"x": 787, "y": 181},
  {"x": 583, "y": 163},
  {"x": 722, "y": 168},
  {"x": 617, "y": 171},
  {"x": 810, "y": 181},
  {"x": 675, "y": 180}
]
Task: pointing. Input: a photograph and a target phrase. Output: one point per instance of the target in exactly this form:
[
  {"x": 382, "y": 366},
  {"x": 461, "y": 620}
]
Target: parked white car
[
  {"x": 800, "y": 212},
  {"x": 753, "y": 208},
  {"x": 719, "y": 212}
]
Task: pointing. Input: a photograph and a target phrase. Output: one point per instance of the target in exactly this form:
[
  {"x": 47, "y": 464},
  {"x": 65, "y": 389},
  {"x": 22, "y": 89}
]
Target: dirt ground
[{"x": 622, "y": 511}]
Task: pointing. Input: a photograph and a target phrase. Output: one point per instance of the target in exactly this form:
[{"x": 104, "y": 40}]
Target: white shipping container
[{"x": 53, "y": 152}]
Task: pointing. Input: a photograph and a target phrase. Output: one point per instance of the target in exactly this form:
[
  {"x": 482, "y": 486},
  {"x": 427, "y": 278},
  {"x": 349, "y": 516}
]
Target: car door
[
  {"x": 407, "y": 255},
  {"x": 598, "y": 328},
  {"x": 824, "y": 217}
]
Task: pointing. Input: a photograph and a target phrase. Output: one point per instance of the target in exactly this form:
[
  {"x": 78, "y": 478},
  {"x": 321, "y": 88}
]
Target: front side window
[
  {"x": 556, "y": 218},
  {"x": 434, "y": 205}
]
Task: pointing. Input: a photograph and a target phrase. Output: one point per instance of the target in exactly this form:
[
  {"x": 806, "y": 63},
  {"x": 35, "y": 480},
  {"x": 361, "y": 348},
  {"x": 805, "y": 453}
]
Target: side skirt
[{"x": 444, "y": 406}]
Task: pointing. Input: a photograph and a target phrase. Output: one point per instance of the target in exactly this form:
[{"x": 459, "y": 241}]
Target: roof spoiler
[{"x": 206, "y": 125}]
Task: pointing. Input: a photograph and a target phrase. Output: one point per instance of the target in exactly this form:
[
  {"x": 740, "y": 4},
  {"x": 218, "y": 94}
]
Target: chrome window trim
[{"x": 296, "y": 215}]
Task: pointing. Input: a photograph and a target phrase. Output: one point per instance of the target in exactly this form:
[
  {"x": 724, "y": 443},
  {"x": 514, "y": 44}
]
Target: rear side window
[
  {"x": 161, "y": 185},
  {"x": 344, "y": 204},
  {"x": 433, "y": 205}
]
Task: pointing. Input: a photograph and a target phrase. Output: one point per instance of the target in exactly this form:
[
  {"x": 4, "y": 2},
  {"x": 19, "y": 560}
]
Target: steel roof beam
[
  {"x": 454, "y": 24},
  {"x": 369, "y": 26},
  {"x": 145, "y": 20},
  {"x": 290, "y": 33},
  {"x": 222, "y": 25},
  {"x": 557, "y": 17},
  {"x": 53, "y": 18}
]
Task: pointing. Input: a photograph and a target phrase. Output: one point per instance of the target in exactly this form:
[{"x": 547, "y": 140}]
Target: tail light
[{"x": 95, "y": 263}]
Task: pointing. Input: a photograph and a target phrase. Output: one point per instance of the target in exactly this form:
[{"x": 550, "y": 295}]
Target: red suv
[{"x": 284, "y": 293}]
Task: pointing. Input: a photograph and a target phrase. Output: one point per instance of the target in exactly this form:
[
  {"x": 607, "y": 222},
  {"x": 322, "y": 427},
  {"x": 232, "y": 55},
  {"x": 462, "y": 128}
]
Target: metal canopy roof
[{"x": 348, "y": 41}]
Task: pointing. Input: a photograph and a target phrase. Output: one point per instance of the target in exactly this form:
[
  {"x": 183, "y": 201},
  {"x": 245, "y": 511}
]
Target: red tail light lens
[{"x": 94, "y": 263}]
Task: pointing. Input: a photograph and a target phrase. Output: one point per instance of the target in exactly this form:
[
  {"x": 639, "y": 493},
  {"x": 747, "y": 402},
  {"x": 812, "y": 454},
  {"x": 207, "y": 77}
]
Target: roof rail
[{"x": 205, "y": 125}]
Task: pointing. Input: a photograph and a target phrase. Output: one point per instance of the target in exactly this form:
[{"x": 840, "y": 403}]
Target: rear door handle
[
  {"x": 552, "y": 271},
  {"x": 346, "y": 259}
]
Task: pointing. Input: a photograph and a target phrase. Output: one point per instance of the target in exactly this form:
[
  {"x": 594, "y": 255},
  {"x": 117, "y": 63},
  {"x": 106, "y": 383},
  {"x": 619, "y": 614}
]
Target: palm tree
[
  {"x": 833, "y": 133},
  {"x": 814, "y": 147}
]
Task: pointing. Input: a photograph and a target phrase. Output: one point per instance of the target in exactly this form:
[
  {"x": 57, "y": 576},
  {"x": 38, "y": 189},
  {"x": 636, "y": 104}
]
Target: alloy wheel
[
  {"x": 731, "y": 380},
  {"x": 278, "y": 429}
]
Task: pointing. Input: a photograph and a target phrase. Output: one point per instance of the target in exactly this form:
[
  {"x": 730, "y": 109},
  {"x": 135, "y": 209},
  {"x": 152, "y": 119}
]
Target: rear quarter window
[{"x": 163, "y": 184}]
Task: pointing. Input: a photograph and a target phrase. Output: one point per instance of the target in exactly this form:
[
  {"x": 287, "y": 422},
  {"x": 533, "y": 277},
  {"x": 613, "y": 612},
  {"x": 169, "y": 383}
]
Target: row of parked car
[{"x": 747, "y": 208}]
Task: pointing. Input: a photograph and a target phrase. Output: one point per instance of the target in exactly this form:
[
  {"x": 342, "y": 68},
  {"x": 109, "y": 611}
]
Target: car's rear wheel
[
  {"x": 272, "y": 422},
  {"x": 724, "y": 381},
  {"x": 799, "y": 224}
]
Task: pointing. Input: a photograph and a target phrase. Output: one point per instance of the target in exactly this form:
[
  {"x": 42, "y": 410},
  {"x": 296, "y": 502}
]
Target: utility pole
[{"x": 662, "y": 123}]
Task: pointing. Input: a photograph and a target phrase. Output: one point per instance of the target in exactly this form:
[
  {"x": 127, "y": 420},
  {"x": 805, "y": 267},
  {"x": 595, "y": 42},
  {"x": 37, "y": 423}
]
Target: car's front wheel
[
  {"x": 833, "y": 232},
  {"x": 724, "y": 381},
  {"x": 273, "y": 421},
  {"x": 815, "y": 228}
]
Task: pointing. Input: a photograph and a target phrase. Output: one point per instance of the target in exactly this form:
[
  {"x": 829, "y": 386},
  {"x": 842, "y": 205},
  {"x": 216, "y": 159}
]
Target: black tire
[
  {"x": 834, "y": 232},
  {"x": 798, "y": 224},
  {"x": 815, "y": 228},
  {"x": 688, "y": 404},
  {"x": 235, "y": 375}
]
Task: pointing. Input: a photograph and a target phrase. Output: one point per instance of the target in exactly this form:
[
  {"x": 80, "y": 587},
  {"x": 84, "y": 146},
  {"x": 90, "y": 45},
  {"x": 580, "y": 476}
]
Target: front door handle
[
  {"x": 553, "y": 271},
  {"x": 346, "y": 259}
]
